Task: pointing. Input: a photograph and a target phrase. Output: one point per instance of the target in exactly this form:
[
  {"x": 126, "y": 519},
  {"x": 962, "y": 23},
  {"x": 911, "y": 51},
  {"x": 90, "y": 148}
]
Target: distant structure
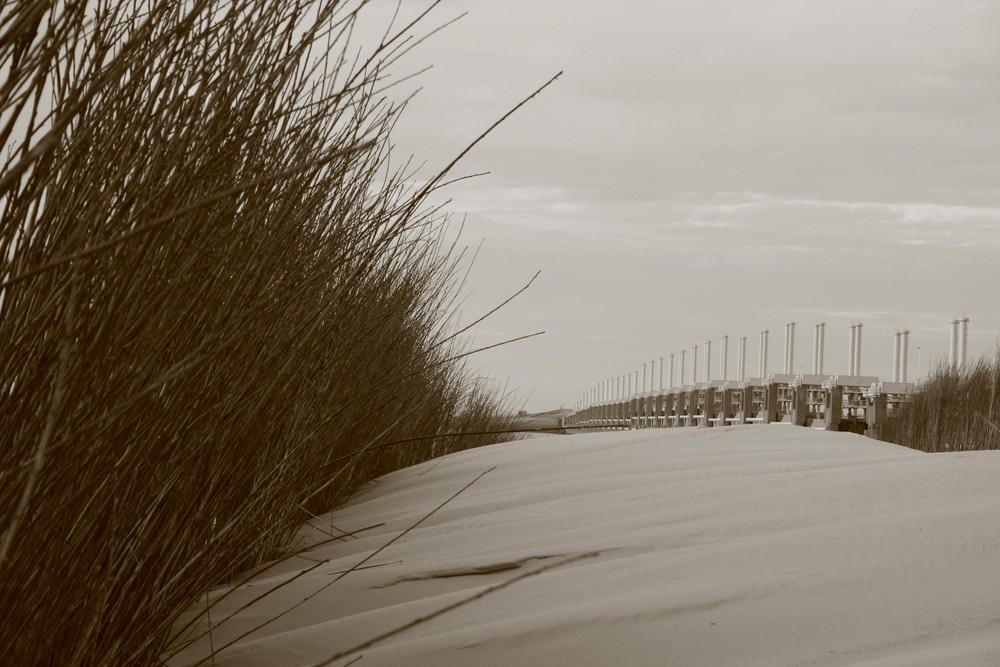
[
  {"x": 959, "y": 343},
  {"x": 854, "y": 350},
  {"x": 900, "y": 355},
  {"x": 789, "y": 347},
  {"x": 819, "y": 333},
  {"x": 851, "y": 402}
]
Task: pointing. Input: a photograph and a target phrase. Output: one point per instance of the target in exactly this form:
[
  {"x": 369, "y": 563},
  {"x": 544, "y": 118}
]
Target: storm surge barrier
[{"x": 837, "y": 402}]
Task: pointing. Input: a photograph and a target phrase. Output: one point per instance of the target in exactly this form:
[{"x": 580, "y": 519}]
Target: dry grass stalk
[
  {"x": 954, "y": 410},
  {"x": 214, "y": 285}
]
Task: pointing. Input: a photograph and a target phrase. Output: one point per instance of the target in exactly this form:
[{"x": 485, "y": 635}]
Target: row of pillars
[
  {"x": 629, "y": 384},
  {"x": 829, "y": 404}
]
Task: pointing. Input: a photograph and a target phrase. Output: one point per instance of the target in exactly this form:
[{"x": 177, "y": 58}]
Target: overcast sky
[{"x": 710, "y": 167}]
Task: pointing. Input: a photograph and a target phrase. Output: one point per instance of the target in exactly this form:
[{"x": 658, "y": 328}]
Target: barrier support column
[
  {"x": 746, "y": 404},
  {"x": 800, "y": 407},
  {"x": 770, "y": 403},
  {"x": 875, "y": 413},
  {"x": 727, "y": 406},
  {"x": 709, "y": 405},
  {"x": 834, "y": 408}
]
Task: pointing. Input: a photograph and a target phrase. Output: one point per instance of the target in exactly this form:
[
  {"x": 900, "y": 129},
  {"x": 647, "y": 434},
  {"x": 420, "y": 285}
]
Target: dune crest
[{"x": 763, "y": 545}]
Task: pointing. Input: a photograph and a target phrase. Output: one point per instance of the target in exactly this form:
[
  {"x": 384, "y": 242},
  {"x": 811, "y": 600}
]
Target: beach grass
[
  {"x": 224, "y": 306},
  {"x": 954, "y": 409}
]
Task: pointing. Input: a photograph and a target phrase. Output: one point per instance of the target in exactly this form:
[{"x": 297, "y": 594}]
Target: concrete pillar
[
  {"x": 672, "y": 385},
  {"x": 822, "y": 345},
  {"x": 661, "y": 373},
  {"x": 875, "y": 413},
  {"x": 850, "y": 351},
  {"x": 800, "y": 407},
  {"x": 691, "y": 405},
  {"x": 963, "y": 340},
  {"x": 762, "y": 367},
  {"x": 727, "y": 406},
  {"x": 709, "y": 411},
  {"x": 746, "y": 404},
  {"x": 896, "y": 356},
  {"x": 784, "y": 363},
  {"x": 834, "y": 408},
  {"x": 708, "y": 361},
  {"x": 790, "y": 349},
  {"x": 953, "y": 345},
  {"x": 724, "y": 361},
  {"x": 643, "y": 378},
  {"x": 770, "y": 403},
  {"x": 905, "y": 356},
  {"x": 694, "y": 365},
  {"x": 741, "y": 364},
  {"x": 857, "y": 351},
  {"x": 815, "y": 349}
]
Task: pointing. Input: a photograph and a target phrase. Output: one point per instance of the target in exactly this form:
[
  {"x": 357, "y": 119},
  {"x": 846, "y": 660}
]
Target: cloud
[{"x": 718, "y": 165}]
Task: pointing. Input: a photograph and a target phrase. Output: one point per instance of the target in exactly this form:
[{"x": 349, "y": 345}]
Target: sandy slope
[{"x": 760, "y": 545}]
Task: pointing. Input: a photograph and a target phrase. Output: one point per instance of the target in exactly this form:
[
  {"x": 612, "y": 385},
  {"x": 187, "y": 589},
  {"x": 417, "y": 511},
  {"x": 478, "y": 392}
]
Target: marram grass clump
[
  {"x": 955, "y": 409},
  {"x": 221, "y": 305}
]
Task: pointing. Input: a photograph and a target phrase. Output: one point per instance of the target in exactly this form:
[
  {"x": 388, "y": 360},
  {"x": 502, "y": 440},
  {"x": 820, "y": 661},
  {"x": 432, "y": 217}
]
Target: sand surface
[{"x": 756, "y": 545}]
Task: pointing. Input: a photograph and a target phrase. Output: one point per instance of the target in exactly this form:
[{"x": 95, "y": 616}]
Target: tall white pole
[
  {"x": 743, "y": 359},
  {"x": 694, "y": 365},
  {"x": 682, "y": 352},
  {"x": 905, "y": 356},
  {"x": 791, "y": 347},
  {"x": 671, "y": 371},
  {"x": 897, "y": 339},
  {"x": 724, "y": 360},
  {"x": 708, "y": 361},
  {"x": 760, "y": 354},
  {"x": 784, "y": 365},
  {"x": 763, "y": 352},
  {"x": 643, "y": 378},
  {"x": 963, "y": 340},
  {"x": 661, "y": 373},
  {"x": 815, "y": 349},
  {"x": 857, "y": 352},
  {"x": 851, "y": 349},
  {"x": 822, "y": 345},
  {"x": 953, "y": 345}
]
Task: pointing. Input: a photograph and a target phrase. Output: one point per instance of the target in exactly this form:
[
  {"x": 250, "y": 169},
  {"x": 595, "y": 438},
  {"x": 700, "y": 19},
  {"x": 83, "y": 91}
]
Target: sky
[{"x": 713, "y": 167}]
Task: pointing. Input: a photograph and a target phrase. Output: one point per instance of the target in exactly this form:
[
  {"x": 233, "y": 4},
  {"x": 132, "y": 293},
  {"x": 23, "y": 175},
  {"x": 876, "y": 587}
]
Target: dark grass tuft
[
  {"x": 953, "y": 410},
  {"x": 221, "y": 304}
]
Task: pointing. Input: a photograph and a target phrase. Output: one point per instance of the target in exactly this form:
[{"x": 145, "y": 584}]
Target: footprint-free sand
[{"x": 756, "y": 545}]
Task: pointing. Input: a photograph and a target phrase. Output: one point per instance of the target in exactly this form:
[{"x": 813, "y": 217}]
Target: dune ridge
[{"x": 763, "y": 545}]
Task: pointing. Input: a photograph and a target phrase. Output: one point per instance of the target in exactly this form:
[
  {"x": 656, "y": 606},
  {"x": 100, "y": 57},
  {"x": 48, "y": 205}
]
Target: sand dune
[{"x": 762, "y": 545}]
